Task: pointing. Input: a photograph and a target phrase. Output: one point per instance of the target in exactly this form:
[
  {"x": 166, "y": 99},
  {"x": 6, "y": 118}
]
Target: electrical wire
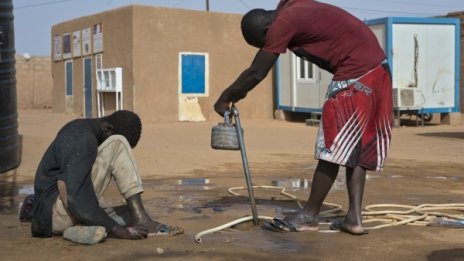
[
  {"x": 42, "y": 4},
  {"x": 424, "y": 4},
  {"x": 245, "y": 5},
  {"x": 177, "y": 3},
  {"x": 393, "y": 12},
  {"x": 385, "y": 11}
]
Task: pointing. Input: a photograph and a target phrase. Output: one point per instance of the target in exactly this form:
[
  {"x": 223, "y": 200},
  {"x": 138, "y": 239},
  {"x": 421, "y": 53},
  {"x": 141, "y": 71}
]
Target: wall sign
[
  {"x": 76, "y": 43},
  {"x": 86, "y": 41},
  {"x": 57, "y": 48},
  {"x": 98, "y": 38}
]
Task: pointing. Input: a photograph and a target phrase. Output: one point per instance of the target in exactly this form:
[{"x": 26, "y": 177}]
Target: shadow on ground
[
  {"x": 447, "y": 254},
  {"x": 416, "y": 123},
  {"x": 450, "y": 135}
]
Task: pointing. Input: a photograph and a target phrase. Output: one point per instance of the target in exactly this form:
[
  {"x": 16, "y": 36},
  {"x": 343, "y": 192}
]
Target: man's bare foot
[
  {"x": 141, "y": 217},
  {"x": 296, "y": 223},
  {"x": 344, "y": 226},
  {"x": 354, "y": 229}
]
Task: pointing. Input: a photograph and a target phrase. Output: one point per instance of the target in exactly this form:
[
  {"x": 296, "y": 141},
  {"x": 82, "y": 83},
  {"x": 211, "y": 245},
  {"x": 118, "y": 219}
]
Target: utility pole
[{"x": 207, "y": 5}]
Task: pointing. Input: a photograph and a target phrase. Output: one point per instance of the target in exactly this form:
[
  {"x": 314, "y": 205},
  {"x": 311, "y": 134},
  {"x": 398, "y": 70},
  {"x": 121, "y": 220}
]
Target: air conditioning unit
[{"x": 407, "y": 98}]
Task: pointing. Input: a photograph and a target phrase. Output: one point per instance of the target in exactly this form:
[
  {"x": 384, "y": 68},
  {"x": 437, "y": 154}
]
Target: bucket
[
  {"x": 224, "y": 135},
  {"x": 9, "y": 139}
]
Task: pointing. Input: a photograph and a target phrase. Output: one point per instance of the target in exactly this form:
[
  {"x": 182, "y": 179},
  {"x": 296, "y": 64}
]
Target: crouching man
[{"x": 77, "y": 168}]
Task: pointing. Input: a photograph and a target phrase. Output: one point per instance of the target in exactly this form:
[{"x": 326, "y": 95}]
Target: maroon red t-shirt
[{"x": 326, "y": 35}]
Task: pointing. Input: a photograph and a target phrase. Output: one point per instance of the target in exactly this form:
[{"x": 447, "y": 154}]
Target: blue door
[
  {"x": 69, "y": 78},
  {"x": 88, "y": 87}
]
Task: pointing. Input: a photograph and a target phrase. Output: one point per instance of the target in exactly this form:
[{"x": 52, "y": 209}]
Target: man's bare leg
[
  {"x": 324, "y": 177},
  {"x": 355, "y": 180},
  {"x": 115, "y": 161}
]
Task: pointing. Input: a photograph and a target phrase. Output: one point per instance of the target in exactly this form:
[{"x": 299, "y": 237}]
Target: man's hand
[
  {"x": 221, "y": 106},
  {"x": 136, "y": 232}
]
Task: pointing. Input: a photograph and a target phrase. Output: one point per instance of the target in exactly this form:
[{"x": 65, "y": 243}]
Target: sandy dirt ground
[{"x": 425, "y": 166}]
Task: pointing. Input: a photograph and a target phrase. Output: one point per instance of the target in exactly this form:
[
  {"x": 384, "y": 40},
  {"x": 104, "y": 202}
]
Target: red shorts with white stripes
[{"x": 356, "y": 123}]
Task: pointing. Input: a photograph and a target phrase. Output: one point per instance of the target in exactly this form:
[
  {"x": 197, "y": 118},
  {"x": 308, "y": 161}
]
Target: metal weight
[{"x": 224, "y": 135}]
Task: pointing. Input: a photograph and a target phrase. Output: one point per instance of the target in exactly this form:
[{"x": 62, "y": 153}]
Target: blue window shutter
[{"x": 193, "y": 74}]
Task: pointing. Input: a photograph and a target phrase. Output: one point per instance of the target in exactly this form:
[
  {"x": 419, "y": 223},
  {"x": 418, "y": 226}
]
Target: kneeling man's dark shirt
[{"x": 69, "y": 158}]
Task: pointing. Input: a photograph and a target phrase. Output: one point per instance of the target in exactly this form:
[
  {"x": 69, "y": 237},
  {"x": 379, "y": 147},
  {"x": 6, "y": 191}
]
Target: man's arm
[{"x": 247, "y": 80}]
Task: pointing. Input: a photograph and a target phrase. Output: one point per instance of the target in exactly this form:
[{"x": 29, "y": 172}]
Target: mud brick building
[{"x": 167, "y": 64}]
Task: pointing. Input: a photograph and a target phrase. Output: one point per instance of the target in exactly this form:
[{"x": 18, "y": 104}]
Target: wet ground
[
  {"x": 186, "y": 184},
  {"x": 204, "y": 202}
]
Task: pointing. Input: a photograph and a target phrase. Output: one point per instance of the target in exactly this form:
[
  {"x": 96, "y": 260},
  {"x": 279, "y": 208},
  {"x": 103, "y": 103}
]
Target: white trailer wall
[{"x": 423, "y": 53}]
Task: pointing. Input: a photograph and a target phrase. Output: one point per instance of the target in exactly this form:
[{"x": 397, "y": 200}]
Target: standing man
[
  {"x": 355, "y": 128},
  {"x": 77, "y": 168}
]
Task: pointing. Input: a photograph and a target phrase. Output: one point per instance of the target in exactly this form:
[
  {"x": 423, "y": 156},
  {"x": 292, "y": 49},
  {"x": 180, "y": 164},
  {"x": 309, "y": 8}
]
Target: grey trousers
[{"x": 115, "y": 161}]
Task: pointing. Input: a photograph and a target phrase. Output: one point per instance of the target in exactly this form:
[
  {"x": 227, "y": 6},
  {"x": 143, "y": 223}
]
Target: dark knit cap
[{"x": 126, "y": 123}]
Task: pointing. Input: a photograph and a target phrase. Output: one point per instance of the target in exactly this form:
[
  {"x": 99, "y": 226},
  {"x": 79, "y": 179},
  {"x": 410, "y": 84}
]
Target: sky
[{"x": 33, "y": 19}]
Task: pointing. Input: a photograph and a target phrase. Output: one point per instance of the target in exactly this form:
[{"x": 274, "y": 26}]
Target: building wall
[
  {"x": 34, "y": 82},
  {"x": 161, "y": 33},
  {"x": 460, "y": 15},
  {"x": 117, "y": 52},
  {"x": 146, "y": 42}
]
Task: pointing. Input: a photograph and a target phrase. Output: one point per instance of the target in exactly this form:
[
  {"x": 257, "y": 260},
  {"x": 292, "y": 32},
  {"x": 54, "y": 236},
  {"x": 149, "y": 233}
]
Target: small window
[
  {"x": 304, "y": 70},
  {"x": 193, "y": 74}
]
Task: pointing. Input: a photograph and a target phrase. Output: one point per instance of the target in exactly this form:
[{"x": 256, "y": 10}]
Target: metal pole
[
  {"x": 238, "y": 127},
  {"x": 207, "y": 5}
]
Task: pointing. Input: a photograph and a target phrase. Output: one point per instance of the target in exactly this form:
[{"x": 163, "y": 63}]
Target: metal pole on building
[{"x": 207, "y": 5}]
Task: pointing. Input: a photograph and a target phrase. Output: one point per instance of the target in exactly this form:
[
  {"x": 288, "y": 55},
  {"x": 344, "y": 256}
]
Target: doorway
[{"x": 88, "y": 87}]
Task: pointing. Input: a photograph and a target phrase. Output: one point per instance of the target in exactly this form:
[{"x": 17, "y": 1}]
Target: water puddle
[
  {"x": 294, "y": 184},
  {"x": 204, "y": 202},
  {"x": 396, "y": 176},
  {"x": 25, "y": 190},
  {"x": 193, "y": 182},
  {"x": 267, "y": 241},
  {"x": 248, "y": 235},
  {"x": 12, "y": 194},
  {"x": 452, "y": 178}
]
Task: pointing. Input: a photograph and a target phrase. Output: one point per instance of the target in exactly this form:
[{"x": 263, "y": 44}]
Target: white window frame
[{"x": 307, "y": 65}]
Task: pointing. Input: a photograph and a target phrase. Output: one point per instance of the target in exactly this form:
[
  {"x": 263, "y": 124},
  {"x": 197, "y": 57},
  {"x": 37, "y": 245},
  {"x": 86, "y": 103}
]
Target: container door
[{"x": 88, "y": 87}]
